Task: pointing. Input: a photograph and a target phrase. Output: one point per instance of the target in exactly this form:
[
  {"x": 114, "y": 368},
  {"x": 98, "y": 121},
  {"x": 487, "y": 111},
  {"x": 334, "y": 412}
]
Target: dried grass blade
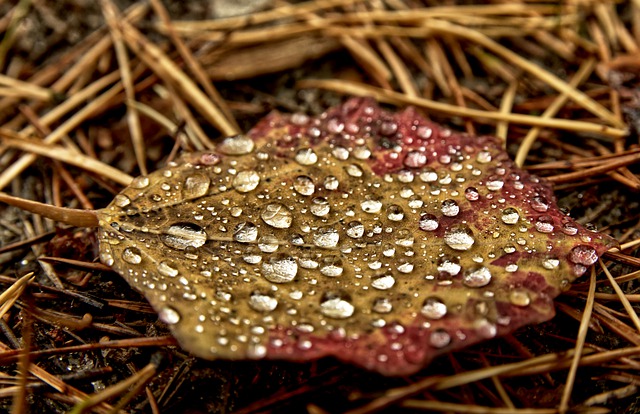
[{"x": 13, "y": 292}]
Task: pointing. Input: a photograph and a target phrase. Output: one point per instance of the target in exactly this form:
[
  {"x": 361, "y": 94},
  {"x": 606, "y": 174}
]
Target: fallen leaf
[{"x": 378, "y": 238}]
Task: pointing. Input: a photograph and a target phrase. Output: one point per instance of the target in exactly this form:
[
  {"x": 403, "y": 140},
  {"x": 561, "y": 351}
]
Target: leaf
[{"x": 379, "y": 238}]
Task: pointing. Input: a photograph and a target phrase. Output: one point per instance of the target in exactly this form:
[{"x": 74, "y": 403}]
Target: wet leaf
[{"x": 379, "y": 238}]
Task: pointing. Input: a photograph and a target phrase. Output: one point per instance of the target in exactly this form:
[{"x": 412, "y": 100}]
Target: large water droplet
[
  {"x": 132, "y": 255},
  {"x": 355, "y": 229},
  {"x": 510, "y": 215},
  {"x": 246, "y": 181},
  {"x": 450, "y": 208},
  {"x": 371, "y": 206},
  {"x": 449, "y": 265},
  {"x": 584, "y": 255},
  {"x": 320, "y": 206},
  {"x": 336, "y": 306},
  {"x": 167, "y": 268},
  {"x": 544, "y": 224},
  {"x": 326, "y": 237},
  {"x": 395, "y": 213},
  {"x": 428, "y": 222},
  {"x": 169, "y": 315},
  {"x": 236, "y": 145},
  {"x": 306, "y": 156},
  {"x": 245, "y": 232},
  {"x": 280, "y": 269},
  {"x": 331, "y": 266},
  {"x": 277, "y": 215},
  {"x": 304, "y": 185},
  {"x": 476, "y": 277},
  {"x": 539, "y": 204},
  {"x": 471, "y": 194},
  {"x": 195, "y": 186},
  {"x": 433, "y": 308},
  {"x": 383, "y": 282},
  {"x": 415, "y": 159},
  {"x": 459, "y": 237},
  {"x": 262, "y": 302},
  {"x": 181, "y": 236}
]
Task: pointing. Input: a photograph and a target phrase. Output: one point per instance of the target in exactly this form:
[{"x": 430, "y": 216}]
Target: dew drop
[
  {"x": 539, "y": 204},
  {"x": 544, "y": 224},
  {"x": 382, "y": 305},
  {"x": 336, "y": 306},
  {"x": 471, "y": 194},
  {"x": 583, "y": 255},
  {"x": 306, "y": 156},
  {"x": 245, "y": 232},
  {"x": 450, "y": 265},
  {"x": 181, "y": 236},
  {"x": 484, "y": 157},
  {"x": 383, "y": 282},
  {"x": 355, "y": 229},
  {"x": 415, "y": 159},
  {"x": 494, "y": 184},
  {"x": 450, "y": 208},
  {"x": 326, "y": 237},
  {"x": 331, "y": 183},
  {"x": 476, "y": 277},
  {"x": 459, "y": 237},
  {"x": 246, "y": 181},
  {"x": 510, "y": 215},
  {"x": 304, "y": 185},
  {"x": 121, "y": 200},
  {"x": 169, "y": 315},
  {"x": 277, "y": 215},
  {"x": 371, "y": 206},
  {"x": 280, "y": 269},
  {"x": 340, "y": 153},
  {"x": 320, "y": 206},
  {"x": 433, "y": 308},
  {"x": 428, "y": 222},
  {"x": 236, "y": 145},
  {"x": 354, "y": 170},
  {"x": 195, "y": 186},
  {"x": 550, "y": 263},
  {"x": 331, "y": 266},
  {"x": 166, "y": 268},
  {"x": 140, "y": 182},
  {"x": 395, "y": 213},
  {"x": 132, "y": 255},
  {"x": 262, "y": 302},
  {"x": 439, "y": 338},
  {"x": 268, "y": 244},
  {"x": 519, "y": 298}
]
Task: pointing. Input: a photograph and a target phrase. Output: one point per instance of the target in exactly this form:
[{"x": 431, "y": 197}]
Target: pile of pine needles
[{"x": 91, "y": 95}]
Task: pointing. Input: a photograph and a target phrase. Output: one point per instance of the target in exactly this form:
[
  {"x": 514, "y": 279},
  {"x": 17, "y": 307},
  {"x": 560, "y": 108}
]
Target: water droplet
[
  {"x": 510, "y": 215},
  {"x": 439, "y": 338},
  {"x": 246, "y": 181},
  {"x": 326, "y": 237},
  {"x": 570, "y": 228},
  {"x": 181, "y": 236},
  {"x": 405, "y": 266},
  {"x": 195, "y": 186},
  {"x": 236, "y": 145},
  {"x": 382, "y": 305},
  {"x": 388, "y": 128},
  {"x": 340, "y": 153},
  {"x": 372, "y": 206},
  {"x": 383, "y": 282},
  {"x": 121, "y": 200},
  {"x": 450, "y": 265},
  {"x": 304, "y": 185},
  {"x": 584, "y": 255},
  {"x": 245, "y": 232},
  {"x": 336, "y": 306},
  {"x": 320, "y": 206},
  {"x": 459, "y": 237},
  {"x": 268, "y": 244},
  {"x": 277, "y": 215},
  {"x": 471, "y": 194},
  {"x": 544, "y": 224},
  {"x": 362, "y": 153},
  {"x": 395, "y": 213},
  {"x": 280, "y": 269},
  {"x": 476, "y": 277},
  {"x": 428, "y": 175},
  {"x": 169, "y": 315},
  {"x": 331, "y": 266},
  {"x": 140, "y": 182},
  {"x": 262, "y": 302},
  {"x": 306, "y": 156},
  {"x": 355, "y": 229},
  {"x": 167, "y": 268},
  {"x": 539, "y": 204},
  {"x": 494, "y": 184},
  {"x": 550, "y": 263},
  {"x": 132, "y": 255},
  {"x": 450, "y": 208},
  {"x": 519, "y": 298},
  {"x": 424, "y": 132},
  {"x": 415, "y": 159},
  {"x": 484, "y": 157},
  {"x": 354, "y": 170},
  {"x": 428, "y": 222},
  {"x": 331, "y": 183},
  {"x": 433, "y": 308}
]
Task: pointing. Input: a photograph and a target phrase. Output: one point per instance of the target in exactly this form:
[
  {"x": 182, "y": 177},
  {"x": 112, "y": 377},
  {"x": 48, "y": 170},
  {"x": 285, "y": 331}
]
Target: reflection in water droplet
[
  {"x": 169, "y": 315},
  {"x": 415, "y": 159},
  {"x": 539, "y": 204},
  {"x": 306, "y": 156},
  {"x": 476, "y": 277},
  {"x": 459, "y": 237},
  {"x": 277, "y": 215},
  {"x": 140, "y": 182},
  {"x": 439, "y": 338},
  {"x": 471, "y": 194},
  {"x": 268, "y": 244},
  {"x": 510, "y": 215},
  {"x": 336, "y": 306},
  {"x": 132, "y": 255},
  {"x": 181, "y": 236},
  {"x": 354, "y": 170},
  {"x": 262, "y": 302},
  {"x": 450, "y": 265},
  {"x": 484, "y": 157},
  {"x": 280, "y": 269},
  {"x": 433, "y": 308},
  {"x": 428, "y": 222},
  {"x": 246, "y": 181},
  {"x": 245, "y": 232},
  {"x": 195, "y": 186},
  {"x": 331, "y": 183},
  {"x": 544, "y": 224},
  {"x": 551, "y": 263},
  {"x": 236, "y": 145}
]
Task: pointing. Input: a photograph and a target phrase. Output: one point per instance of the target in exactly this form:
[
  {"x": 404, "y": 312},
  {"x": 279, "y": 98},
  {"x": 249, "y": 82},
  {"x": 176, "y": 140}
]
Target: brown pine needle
[{"x": 74, "y": 217}]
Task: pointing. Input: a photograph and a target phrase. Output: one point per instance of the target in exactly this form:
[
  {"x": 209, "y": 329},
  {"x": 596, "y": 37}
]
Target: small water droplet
[
  {"x": 428, "y": 222},
  {"x": 355, "y": 229},
  {"x": 336, "y": 305},
  {"x": 362, "y": 153},
  {"x": 383, "y": 282},
  {"x": 167, "y": 268},
  {"x": 539, "y": 204},
  {"x": 245, "y": 232},
  {"x": 280, "y": 269},
  {"x": 583, "y": 255},
  {"x": 320, "y": 206},
  {"x": 121, "y": 200},
  {"x": 471, "y": 194},
  {"x": 371, "y": 206},
  {"x": 181, "y": 236},
  {"x": 195, "y": 186},
  {"x": 449, "y": 265},
  {"x": 326, "y": 237},
  {"x": 268, "y": 244},
  {"x": 494, "y": 183},
  {"x": 550, "y": 263},
  {"x": 382, "y": 305},
  {"x": 570, "y": 228},
  {"x": 246, "y": 181},
  {"x": 140, "y": 182},
  {"x": 459, "y": 237},
  {"x": 433, "y": 308},
  {"x": 306, "y": 156},
  {"x": 519, "y": 298},
  {"x": 354, "y": 170},
  {"x": 262, "y": 302},
  {"x": 415, "y": 159},
  {"x": 484, "y": 157},
  {"x": 476, "y": 277},
  {"x": 439, "y": 338},
  {"x": 510, "y": 215},
  {"x": 450, "y": 208},
  {"x": 132, "y": 255},
  {"x": 395, "y": 213},
  {"x": 304, "y": 185},
  {"x": 236, "y": 145},
  {"x": 277, "y": 215},
  {"x": 331, "y": 266},
  {"x": 169, "y": 315},
  {"x": 544, "y": 224},
  {"x": 340, "y": 153}
]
